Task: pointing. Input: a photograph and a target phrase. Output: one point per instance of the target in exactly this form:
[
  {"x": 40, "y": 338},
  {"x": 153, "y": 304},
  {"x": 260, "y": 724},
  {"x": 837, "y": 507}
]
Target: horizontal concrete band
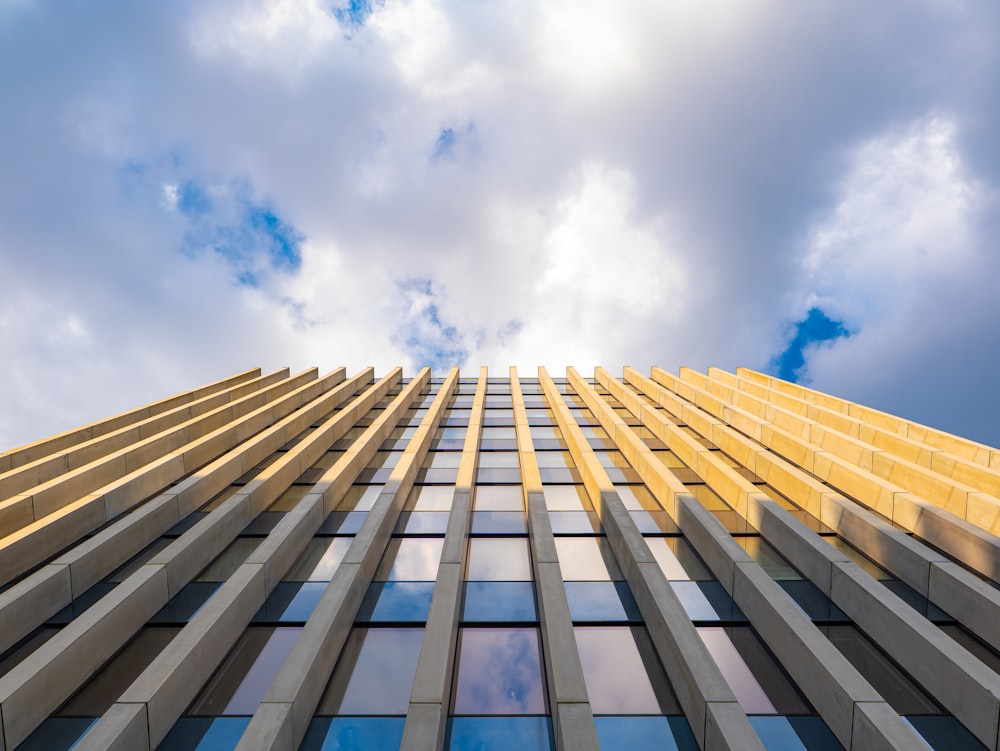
[
  {"x": 956, "y": 679},
  {"x": 709, "y": 704},
  {"x": 974, "y": 603},
  {"x": 173, "y": 679},
  {"x": 975, "y": 452},
  {"x": 283, "y": 717},
  {"x": 28, "y": 603},
  {"x": 974, "y": 546},
  {"x": 830, "y": 682},
  {"x": 40, "y": 683},
  {"x": 115, "y": 469},
  {"x": 426, "y": 716},
  {"x": 48, "y": 468},
  {"x": 181, "y": 452},
  {"x": 61, "y": 441},
  {"x": 965, "y": 488}
]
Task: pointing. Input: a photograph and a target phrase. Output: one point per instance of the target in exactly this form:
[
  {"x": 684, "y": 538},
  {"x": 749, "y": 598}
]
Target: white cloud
[{"x": 635, "y": 182}]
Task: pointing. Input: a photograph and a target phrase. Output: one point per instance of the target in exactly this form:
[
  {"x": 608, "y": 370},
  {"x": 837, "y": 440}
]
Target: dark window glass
[
  {"x": 806, "y": 733},
  {"x": 57, "y": 734},
  {"x": 499, "y": 601},
  {"x": 706, "y": 601},
  {"x": 775, "y": 564},
  {"x": 945, "y": 733},
  {"x": 291, "y": 602},
  {"x": 499, "y": 523},
  {"x": 499, "y": 734},
  {"x": 216, "y": 733},
  {"x": 354, "y": 734},
  {"x": 896, "y": 688},
  {"x": 183, "y": 606},
  {"x": 601, "y": 601},
  {"x": 678, "y": 559},
  {"x": 343, "y": 523},
  {"x": 397, "y": 602},
  {"x": 646, "y": 734},
  {"x": 499, "y": 672},
  {"x": 241, "y": 681},
  {"x": 374, "y": 675},
  {"x": 103, "y": 690},
  {"x": 813, "y": 602}
]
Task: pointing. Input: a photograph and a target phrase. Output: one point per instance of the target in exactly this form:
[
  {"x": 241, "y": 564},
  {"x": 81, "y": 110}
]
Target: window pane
[
  {"x": 748, "y": 691},
  {"x": 319, "y": 560},
  {"x": 499, "y": 498},
  {"x": 498, "y": 559},
  {"x": 241, "y": 682},
  {"x": 499, "y": 601},
  {"x": 566, "y": 498},
  {"x": 422, "y": 523},
  {"x": 397, "y": 601},
  {"x": 499, "y": 672},
  {"x": 601, "y": 601},
  {"x": 375, "y": 673},
  {"x": 622, "y": 672},
  {"x": 677, "y": 558},
  {"x": 499, "y": 734},
  {"x": 586, "y": 559},
  {"x": 410, "y": 559},
  {"x": 204, "y": 734},
  {"x": 645, "y": 734},
  {"x": 350, "y": 733},
  {"x": 499, "y": 522},
  {"x": 430, "y": 498}
]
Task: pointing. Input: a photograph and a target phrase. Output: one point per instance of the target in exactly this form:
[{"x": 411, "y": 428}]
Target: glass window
[
  {"x": 499, "y": 498},
  {"x": 499, "y": 734},
  {"x": 410, "y": 559},
  {"x": 360, "y": 498},
  {"x": 422, "y": 523},
  {"x": 103, "y": 690},
  {"x": 204, "y": 734},
  {"x": 805, "y": 733},
  {"x": 575, "y": 522},
  {"x": 741, "y": 680},
  {"x": 622, "y": 673},
  {"x": 499, "y": 523},
  {"x": 566, "y": 498},
  {"x": 637, "y": 498},
  {"x": 430, "y": 498},
  {"x": 586, "y": 559},
  {"x": 678, "y": 559},
  {"x": 499, "y": 672},
  {"x": 489, "y": 601},
  {"x": 374, "y": 675},
  {"x": 229, "y": 560},
  {"x": 319, "y": 559},
  {"x": 647, "y": 734},
  {"x": 247, "y": 672},
  {"x": 499, "y": 559},
  {"x": 399, "y": 602},
  {"x": 601, "y": 601},
  {"x": 902, "y": 694},
  {"x": 706, "y": 601},
  {"x": 769, "y": 559},
  {"x": 354, "y": 733}
]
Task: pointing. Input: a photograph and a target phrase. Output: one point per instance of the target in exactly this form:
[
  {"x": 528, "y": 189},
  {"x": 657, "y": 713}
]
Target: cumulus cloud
[{"x": 193, "y": 188}]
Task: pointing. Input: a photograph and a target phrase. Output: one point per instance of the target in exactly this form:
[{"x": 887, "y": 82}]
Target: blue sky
[{"x": 192, "y": 188}]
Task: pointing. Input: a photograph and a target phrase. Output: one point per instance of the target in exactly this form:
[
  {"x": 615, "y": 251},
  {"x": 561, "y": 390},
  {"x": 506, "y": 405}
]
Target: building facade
[{"x": 714, "y": 561}]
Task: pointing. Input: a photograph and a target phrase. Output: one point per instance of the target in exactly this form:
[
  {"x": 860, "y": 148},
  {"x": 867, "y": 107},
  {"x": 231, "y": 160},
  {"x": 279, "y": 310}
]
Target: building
[{"x": 624, "y": 562}]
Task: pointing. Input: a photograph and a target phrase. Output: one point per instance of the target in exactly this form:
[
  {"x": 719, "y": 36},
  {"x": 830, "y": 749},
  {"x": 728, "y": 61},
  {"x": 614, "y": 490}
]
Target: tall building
[{"x": 716, "y": 561}]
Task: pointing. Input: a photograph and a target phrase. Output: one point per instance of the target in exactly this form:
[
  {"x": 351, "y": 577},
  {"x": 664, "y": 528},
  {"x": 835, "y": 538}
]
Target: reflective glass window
[
  {"x": 374, "y": 675},
  {"x": 489, "y": 601},
  {"x": 498, "y": 559},
  {"x": 410, "y": 559},
  {"x": 499, "y": 671}
]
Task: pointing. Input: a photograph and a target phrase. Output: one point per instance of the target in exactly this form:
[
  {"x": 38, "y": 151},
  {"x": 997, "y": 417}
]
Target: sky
[{"x": 192, "y": 188}]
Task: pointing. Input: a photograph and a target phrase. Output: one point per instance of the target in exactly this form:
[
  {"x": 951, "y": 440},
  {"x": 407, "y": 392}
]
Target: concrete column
[{"x": 427, "y": 715}]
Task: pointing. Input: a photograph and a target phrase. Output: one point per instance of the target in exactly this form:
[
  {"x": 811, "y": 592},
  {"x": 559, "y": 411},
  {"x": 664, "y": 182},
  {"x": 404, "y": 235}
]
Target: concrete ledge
[
  {"x": 574, "y": 728},
  {"x": 122, "y": 728},
  {"x": 728, "y": 729},
  {"x": 273, "y": 729},
  {"x": 877, "y": 726},
  {"x": 23, "y": 606},
  {"x": 47, "y": 677},
  {"x": 963, "y": 685}
]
